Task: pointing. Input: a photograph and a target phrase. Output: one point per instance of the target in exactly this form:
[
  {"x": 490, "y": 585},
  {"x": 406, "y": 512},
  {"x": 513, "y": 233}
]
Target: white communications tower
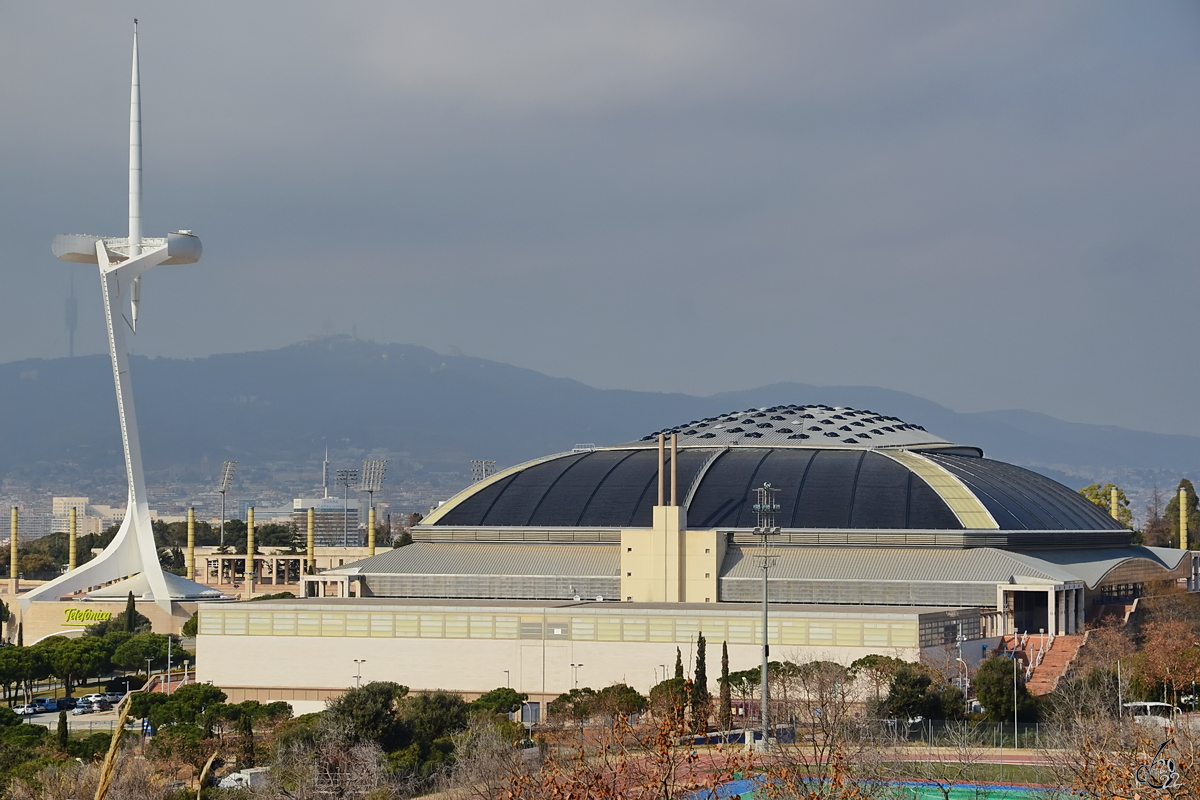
[{"x": 122, "y": 260}]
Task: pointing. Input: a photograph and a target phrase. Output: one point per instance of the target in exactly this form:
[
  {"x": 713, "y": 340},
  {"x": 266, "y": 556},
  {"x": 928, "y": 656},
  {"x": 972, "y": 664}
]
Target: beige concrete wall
[
  {"x": 268, "y": 667},
  {"x": 50, "y": 618},
  {"x": 705, "y": 550}
]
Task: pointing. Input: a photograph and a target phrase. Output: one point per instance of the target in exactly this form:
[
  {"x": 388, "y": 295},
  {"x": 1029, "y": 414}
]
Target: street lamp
[
  {"x": 664, "y": 669},
  {"x": 148, "y": 660},
  {"x": 766, "y": 508},
  {"x": 358, "y": 675},
  {"x": 576, "y": 668},
  {"x": 346, "y": 477},
  {"x": 223, "y": 487}
]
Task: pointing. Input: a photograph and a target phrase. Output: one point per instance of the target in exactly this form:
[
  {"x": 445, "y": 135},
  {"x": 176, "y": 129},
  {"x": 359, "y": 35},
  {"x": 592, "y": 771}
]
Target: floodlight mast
[
  {"x": 227, "y": 470},
  {"x": 372, "y": 482},
  {"x": 766, "y": 508},
  {"x": 122, "y": 261},
  {"x": 346, "y": 477}
]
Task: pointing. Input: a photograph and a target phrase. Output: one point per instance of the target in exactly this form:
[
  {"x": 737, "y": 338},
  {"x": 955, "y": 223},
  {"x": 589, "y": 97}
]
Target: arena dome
[{"x": 835, "y": 468}]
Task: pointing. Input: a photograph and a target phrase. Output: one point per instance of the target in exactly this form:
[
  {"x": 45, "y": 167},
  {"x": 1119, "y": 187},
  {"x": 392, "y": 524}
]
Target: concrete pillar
[
  {"x": 1051, "y": 610},
  {"x": 14, "y": 567},
  {"x": 1062, "y": 613},
  {"x": 1080, "y": 609},
  {"x": 662, "y": 463},
  {"x": 674, "y": 471},
  {"x": 191, "y": 545},
  {"x": 1114, "y": 505},
  {"x": 1070, "y": 626},
  {"x": 1183, "y": 515},
  {"x": 72, "y": 553},
  {"x": 312, "y": 546},
  {"x": 371, "y": 530},
  {"x": 250, "y": 567}
]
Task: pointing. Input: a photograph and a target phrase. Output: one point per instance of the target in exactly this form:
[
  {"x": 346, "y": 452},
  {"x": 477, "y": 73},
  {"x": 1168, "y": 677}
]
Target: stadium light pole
[
  {"x": 766, "y": 508},
  {"x": 346, "y": 477},
  {"x": 227, "y": 471},
  {"x": 372, "y": 482},
  {"x": 358, "y": 674}
]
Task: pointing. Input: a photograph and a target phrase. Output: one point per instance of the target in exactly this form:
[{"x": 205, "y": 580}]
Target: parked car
[
  {"x": 101, "y": 705},
  {"x": 44, "y": 704},
  {"x": 81, "y": 709},
  {"x": 66, "y": 703},
  {"x": 114, "y": 697},
  {"x": 27, "y": 710},
  {"x": 91, "y": 698}
]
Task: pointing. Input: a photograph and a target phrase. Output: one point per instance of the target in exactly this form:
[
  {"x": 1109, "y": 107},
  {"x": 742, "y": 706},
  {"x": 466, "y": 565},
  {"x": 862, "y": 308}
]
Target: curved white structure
[{"x": 122, "y": 260}]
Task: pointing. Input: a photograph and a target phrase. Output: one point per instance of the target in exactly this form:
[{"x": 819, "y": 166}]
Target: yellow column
[
  {"x": 72, "y": 554},
  {"x": 1114, "y": 506},
  {"x": 371, "y": 531},
  {"x": 312, "y": 542},
  {"x": 250, "y": 571},
  {"x": 13, "y": 565},
  {"x": 1183, "y": 515},
  {"x": 191, "y": 548}
]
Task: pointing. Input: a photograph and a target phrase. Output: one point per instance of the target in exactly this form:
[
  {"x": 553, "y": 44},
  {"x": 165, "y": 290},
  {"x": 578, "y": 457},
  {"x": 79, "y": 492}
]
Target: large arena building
[{"x": 596, "y": 564}]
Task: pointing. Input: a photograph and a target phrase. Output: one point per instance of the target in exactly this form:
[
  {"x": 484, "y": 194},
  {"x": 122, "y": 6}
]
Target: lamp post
[
  {"x": 576, "y": 668},
  {"x": 664, "y": 669},
  {"x": 358, "y": 675},
  {"x": 766, "y": 508},
  {"x": 346, "y": 477},
  {"x": 507, "y": 679},
  {"x": 148, "y": 670}
]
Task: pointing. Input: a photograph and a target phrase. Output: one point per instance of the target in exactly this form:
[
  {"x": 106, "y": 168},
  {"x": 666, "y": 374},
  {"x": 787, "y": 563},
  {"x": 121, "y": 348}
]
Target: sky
[{"x": 991, "y": 205}]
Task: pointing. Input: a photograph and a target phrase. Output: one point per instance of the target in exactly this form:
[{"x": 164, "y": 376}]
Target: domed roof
[
  {"x": 803, "y": 426},
  {"x": 879, "y": 474}
]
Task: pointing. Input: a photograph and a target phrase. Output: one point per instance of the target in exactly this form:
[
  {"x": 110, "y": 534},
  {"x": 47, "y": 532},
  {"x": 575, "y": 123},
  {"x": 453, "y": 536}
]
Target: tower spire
[{"x": 135, "y": 155}]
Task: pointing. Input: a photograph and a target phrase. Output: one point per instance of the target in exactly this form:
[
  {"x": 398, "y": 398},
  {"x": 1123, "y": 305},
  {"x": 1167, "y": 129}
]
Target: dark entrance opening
[{"x": 1030, "y": 611}]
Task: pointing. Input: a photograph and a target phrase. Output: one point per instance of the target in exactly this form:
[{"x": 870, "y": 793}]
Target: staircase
[
  {"x": 1054, "y": 664},
  {"x": 1055, "y": 660}
]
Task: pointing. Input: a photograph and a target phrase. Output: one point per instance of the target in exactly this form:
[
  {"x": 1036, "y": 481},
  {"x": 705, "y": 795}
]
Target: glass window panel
[
  {"x": 848, "y": 634},
  {"x": 558, "y": 628},
  {"x": 431, "y": 626},
  {"x": 904, "y": 634},
  {"x": 333, "y": 624},
  {"x": 741, "y": 631},
  {"x": 531, "y": 627},
  {"x": 820, "y": 633},
  {"x": 635, "y": 629},
  {"x": 686, "y": 630},
  {"x": 507, "y": 627},
  {"x": 583, "y": 628},
  {"x": 714, "y": 629},
  {"x": 358, "y": 624},
  {"x": 662, "y": 629},
  {"x": 283, "y": 623},
  {"x": 260, "y": 623},
  {"x": 608, "y": 629},
  {"x": 481, "y": 626},
  {"x": 875, "y": 634},
  {"x": 235, "y": 623},
  {"x": 381, "y": 625},
  {"x": 308, "y": 624},
  {"x": 407, "y": 626},
  {"x": 210, "y": 622},
  {"x": 457, "y": 626},
  {"x": 794, "y": 631}
]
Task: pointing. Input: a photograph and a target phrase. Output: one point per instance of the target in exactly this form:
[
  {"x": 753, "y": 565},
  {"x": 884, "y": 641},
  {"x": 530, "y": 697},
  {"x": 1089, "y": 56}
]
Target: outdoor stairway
[{"x": 1054, "y": 663}]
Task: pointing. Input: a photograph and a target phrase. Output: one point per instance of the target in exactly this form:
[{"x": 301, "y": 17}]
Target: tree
[
  {"x": 1171, "y": 514},
  {"x": 132, "y": 654},
  {"x": 878, "y": 671},
  {"x": 670, "y": 698},
  {"x": 701, "y": 699},
  {"x": 907, "y": 698},
  {"x": 1156, "y": 532},
  {"x": 726, "y": 709},
  {"x": 71, "y": 660},
  {"x": 502, "y": 700},
  {"x": 678, "y": 663},
  {"x": 620, "y": 699},
  {"x": 994, "y": 689},
  {"x": 63, "y": 734},
  {"x": 371, "y": 713},
  {"x": 131, "y": 614},
  {"x": 577, "y": 704},
  {"x": 38, "y": 564},
  {"x": 192, "y": 626},
  {"x": 1101, "y": 495}
]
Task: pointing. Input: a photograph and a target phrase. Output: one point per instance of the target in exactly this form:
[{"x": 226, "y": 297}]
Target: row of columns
[{"x": 1066, "y": 609}]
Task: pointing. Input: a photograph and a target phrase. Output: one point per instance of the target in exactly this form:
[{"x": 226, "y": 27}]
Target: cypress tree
[
  {"x": 20, "y": 634},
  {"x": 726, "y": 702},
  {"x": 678, "y": 663},
  {"x": 701, "y": 699},
  {"x": 130, "y": 614},
  {"x": 62, "y": 731}
]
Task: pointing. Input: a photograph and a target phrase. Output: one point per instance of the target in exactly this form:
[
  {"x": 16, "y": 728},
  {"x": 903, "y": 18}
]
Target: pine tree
[
  {"x": 130, "y": 614},
  {"x": 678, "y": 663},
  {"x": 1171, "y": 514},
  {"x": 62, "y": 731},
  {"x": 701, "y": 699},
  {"x": 726, "y": 709}
]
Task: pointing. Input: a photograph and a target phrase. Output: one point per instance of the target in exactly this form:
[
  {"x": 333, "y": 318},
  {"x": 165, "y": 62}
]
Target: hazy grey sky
[{"x": 989, "y": 205}]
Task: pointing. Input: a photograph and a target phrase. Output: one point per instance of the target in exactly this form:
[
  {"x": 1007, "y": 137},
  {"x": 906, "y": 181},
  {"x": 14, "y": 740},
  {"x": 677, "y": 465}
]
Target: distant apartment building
[
  {"x": 335, "y": 521},
  {"x": 88, "y": 518}
]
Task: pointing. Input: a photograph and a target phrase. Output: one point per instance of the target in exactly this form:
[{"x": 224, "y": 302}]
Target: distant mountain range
[{"x": 428, "y": 412}]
